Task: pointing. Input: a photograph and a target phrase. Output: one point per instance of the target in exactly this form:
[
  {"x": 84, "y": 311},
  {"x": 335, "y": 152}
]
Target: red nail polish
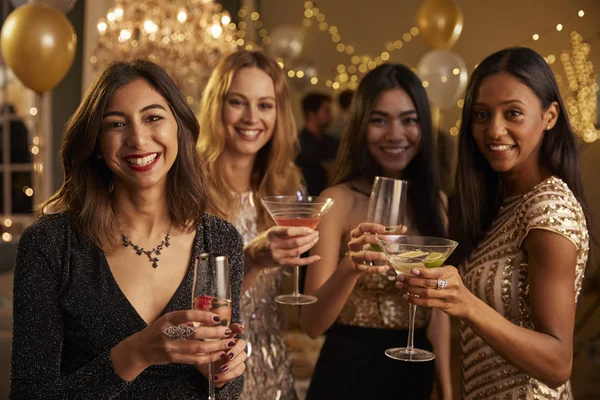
[
  {"x": 231, "y": 343},
  {"x": 216, "y": 377},
  {"x": 216, "y": 318},
  {"x": 230, "y": 356},
  {"x": 224, "y": 368},
  {"x": 223, "y": 355},
  {"x": 228, "y": 332}
]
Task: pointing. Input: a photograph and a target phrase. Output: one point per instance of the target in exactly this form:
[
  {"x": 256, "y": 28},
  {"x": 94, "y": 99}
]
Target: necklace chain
[{"x": 151, "y": 254}]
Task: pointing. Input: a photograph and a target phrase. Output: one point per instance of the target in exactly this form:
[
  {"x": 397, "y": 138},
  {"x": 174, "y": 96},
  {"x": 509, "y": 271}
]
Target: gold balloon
[
  {"x": 440, "y": 23},
  {"x": 38, "y": 44}
]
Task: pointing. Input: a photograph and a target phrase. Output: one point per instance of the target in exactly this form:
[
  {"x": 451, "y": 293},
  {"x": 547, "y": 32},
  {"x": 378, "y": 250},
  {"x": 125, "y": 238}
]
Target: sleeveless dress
[
  {"x": 268, "y": 368},
  {"x": 497, "y": 271},
  {"x": 352, "y": 363}
]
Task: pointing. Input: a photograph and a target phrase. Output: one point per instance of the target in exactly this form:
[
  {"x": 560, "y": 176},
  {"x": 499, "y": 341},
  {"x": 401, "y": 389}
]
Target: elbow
[
  {"x": 309, "y": 327},
  {"x": 559, "y": 375}
]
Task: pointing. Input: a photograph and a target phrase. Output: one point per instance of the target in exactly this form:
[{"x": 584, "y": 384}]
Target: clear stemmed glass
[
  {"x": 386, "y": 207},
  {"x": 297, "y": 210},
  {"x": 405, "y": 253},
  {"x": 211, "y": 291}
]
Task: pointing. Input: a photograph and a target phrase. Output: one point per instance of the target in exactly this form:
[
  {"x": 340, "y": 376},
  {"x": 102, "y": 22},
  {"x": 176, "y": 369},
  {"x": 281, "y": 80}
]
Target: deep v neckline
[{"x": 197, "y": 248}]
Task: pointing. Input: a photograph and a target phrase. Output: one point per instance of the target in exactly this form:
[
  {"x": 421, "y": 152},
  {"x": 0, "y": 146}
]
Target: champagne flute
[
  {"x": 386, "y": 207},
  {"x": 211, "y": 291}
]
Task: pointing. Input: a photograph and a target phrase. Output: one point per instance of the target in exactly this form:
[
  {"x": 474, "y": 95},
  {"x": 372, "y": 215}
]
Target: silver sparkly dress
[{"x": 268, "y": 375}]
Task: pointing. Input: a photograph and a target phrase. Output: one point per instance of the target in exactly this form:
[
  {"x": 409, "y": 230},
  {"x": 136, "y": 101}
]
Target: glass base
[
  {"x": 295, "y": 299},
  {"x": 415, "y": 355}
]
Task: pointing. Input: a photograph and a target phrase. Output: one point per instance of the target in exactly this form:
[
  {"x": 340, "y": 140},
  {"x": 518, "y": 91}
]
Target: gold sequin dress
[
  {"x": 268, "y": 375},
  {"x": 497, "y": 273}
]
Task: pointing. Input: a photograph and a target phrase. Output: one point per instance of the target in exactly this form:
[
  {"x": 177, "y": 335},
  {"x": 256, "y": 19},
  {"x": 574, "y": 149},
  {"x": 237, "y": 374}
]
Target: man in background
[
  {"x": 317, "y": 149},
  {"x": 339, "y": 124}
]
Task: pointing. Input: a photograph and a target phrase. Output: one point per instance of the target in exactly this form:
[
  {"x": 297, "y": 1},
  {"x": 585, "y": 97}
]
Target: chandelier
[{"x": 185, "y": 37}]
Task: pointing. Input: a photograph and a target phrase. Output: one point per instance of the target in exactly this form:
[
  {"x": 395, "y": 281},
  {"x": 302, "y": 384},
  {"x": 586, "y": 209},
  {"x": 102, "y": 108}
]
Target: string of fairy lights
[{"x": 582, "y": 87}]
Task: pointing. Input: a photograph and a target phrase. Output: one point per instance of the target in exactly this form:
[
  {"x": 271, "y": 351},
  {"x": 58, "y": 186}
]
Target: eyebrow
[
  {"x": 502, "y": 102},
  {"x": 385, "y": 114},
  {"x": 121, "y": 114},
  {"x": 241, "y": 95}
]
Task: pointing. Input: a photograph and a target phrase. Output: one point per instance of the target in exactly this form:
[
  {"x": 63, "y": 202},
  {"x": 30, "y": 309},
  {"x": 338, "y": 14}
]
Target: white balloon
[
  {"x": 286, "y": 42},
  {"x": 63, "y": 5},
  {"x": 444, "y": 74}
]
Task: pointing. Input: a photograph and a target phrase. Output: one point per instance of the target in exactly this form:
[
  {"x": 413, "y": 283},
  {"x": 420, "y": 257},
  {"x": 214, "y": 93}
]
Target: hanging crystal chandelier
[{"x": 186, "y": 37}]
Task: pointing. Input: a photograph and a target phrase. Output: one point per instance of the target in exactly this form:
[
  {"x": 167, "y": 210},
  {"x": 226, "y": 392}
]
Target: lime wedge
[
  {"x": 413, "y": 254},
  {"x": 375, "y": 247},
  {"x": 434, "y": 260}
]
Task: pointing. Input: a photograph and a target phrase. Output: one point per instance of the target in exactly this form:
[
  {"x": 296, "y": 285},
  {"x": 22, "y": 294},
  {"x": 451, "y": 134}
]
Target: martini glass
[
  {"x": 297, "y": 210},
  {"x": 404, "y": 253}
]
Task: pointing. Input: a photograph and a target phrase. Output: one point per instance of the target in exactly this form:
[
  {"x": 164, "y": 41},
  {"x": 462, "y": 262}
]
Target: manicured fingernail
[
  {"x": 400, "y": 278},
  {"x": 415, "y": 271},
  {"x": 224, "y": 368},
  {"x": 216, "y": 378},
  {"x": 228, "y": 332},
  {"x": 405, "y": 296},
  {"x": 216, "y": 318},
  {"x": 230, "y": 356},
  {"x": 231, "y": 343},
  {"x": 223, "y": 355}
]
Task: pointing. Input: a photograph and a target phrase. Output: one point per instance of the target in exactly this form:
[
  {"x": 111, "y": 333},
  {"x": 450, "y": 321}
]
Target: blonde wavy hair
[{"x": 274, "y": 172}]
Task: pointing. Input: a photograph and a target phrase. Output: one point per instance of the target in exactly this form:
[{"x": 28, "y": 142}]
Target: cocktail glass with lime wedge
[{"x": 405, "y": 253}]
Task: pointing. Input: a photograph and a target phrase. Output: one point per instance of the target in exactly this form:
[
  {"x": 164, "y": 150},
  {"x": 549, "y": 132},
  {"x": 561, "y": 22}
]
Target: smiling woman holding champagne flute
[
  {"x": 390, "y": 136},
  {"x": 103, "y": 280}
]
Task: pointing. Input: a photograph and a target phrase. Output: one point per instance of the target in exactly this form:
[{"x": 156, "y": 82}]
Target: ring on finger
[
  {"x": 442, "y": 284},
  {"x": 181, "y": 331}
]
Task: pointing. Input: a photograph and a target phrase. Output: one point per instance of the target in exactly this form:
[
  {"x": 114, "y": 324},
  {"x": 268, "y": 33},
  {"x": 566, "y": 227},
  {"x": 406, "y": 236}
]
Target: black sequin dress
[{"x": 69, "y": 312}]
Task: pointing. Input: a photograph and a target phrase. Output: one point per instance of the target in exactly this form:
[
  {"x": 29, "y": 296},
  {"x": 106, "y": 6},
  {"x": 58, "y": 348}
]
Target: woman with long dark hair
[
  {"x": 521, "y": 226},
  {"x": 389, "y": 134},
  {"x": 97, "y": 314}
]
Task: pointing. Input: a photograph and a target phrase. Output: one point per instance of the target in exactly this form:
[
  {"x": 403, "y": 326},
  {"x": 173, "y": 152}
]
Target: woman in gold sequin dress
[
  {"x": 522, "y": 231},
  {"x": 389, "y": 134},
  {"x": 248, "y": 138}
]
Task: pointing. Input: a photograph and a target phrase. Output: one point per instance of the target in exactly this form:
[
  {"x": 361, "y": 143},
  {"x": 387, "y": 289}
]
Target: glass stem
[
  {"x": 296, "y": 281},
  {"x": 211, "y": 381},
  {"x": 412, "y": 312}
]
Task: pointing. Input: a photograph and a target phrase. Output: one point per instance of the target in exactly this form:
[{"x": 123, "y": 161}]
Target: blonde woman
[{"x": 248, "y": 139}]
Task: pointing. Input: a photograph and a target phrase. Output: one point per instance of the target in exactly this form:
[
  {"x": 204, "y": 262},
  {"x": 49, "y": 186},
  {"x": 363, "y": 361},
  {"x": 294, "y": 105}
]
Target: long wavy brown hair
[
  {"x": 86, "y": 192},
  {"x": 274, "y": 171}
]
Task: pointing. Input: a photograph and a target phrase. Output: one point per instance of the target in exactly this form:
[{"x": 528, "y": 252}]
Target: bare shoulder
[{"x": 342, "y": 196}]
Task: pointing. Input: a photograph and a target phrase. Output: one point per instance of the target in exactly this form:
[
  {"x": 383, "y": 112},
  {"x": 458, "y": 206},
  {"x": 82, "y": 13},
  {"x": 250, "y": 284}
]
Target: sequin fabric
[
  {"x": 69, "y": 312},
  {"x": 375, "y": 302},
  {"x": 268, "y": 375},
  {"x": 497, "y": 273}
]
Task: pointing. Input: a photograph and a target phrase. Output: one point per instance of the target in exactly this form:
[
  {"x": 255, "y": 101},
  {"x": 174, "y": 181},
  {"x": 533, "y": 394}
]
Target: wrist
[{"x": 127, "y": 361}]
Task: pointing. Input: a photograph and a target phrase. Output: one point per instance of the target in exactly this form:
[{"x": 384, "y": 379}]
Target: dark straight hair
[
  {"x": 354, "y": 160},
  {"x": 86, "y": 192},
  {"x": 479, "y": 189}
]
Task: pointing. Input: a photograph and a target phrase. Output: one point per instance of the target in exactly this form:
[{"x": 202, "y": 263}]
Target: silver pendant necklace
[{"x": 151, "y": 254}]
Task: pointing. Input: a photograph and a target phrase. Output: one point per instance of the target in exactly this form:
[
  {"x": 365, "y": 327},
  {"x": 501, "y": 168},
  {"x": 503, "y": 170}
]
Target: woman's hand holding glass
[
  {"x": 363, "y": 250},
  {"x": 454, "y": 299},
  {"x": 154, "y": 346},
  {"x": 282, "y": 246},
  {"x": 231, "y": 363}
]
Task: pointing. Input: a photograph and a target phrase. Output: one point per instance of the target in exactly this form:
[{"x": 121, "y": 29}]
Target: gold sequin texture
[
  {"x": 496, "y": 272},
  {"x": 268, "y": 373}
]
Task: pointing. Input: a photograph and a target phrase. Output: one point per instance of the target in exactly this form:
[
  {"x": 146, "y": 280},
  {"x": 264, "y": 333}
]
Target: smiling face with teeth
[
  {"x": 249, "y": 112},
  {"x": 393, "y": 132},
  {"x": 508, "y": 124},
  {"x": 138, "y": 136}
]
